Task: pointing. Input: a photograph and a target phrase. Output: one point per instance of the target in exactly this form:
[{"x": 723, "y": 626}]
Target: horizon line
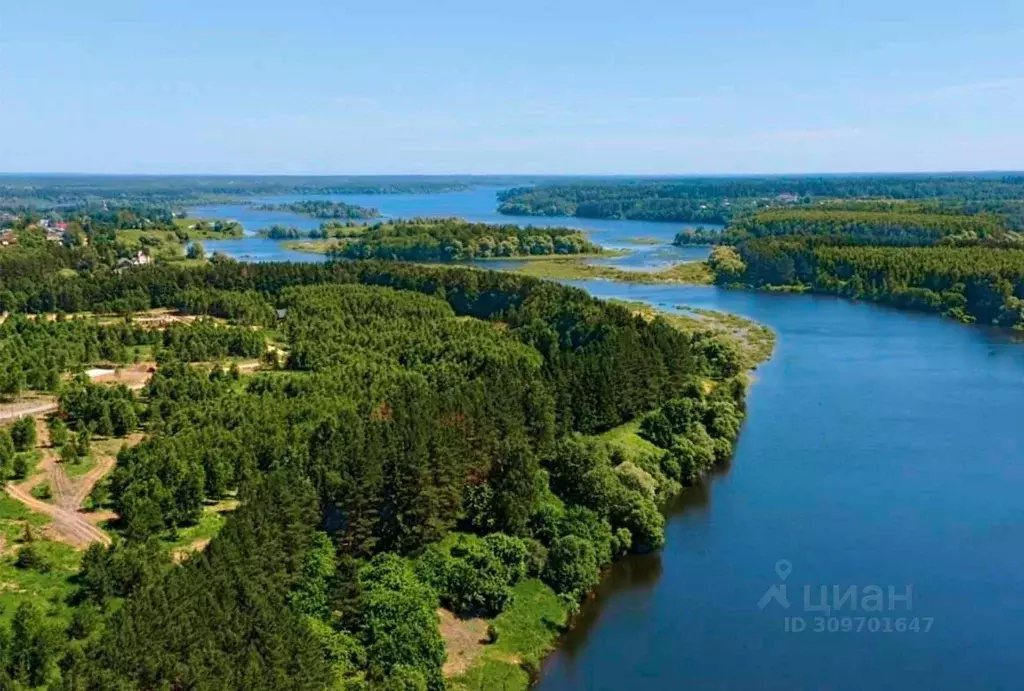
[{"x": 962, "y": 172}]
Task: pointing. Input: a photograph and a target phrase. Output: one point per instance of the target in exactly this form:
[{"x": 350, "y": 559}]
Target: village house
[{"x": 140, "y": 259}]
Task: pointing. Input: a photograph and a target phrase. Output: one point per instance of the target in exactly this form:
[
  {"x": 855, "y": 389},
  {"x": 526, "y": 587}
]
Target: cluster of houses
[{"x": 55, "y": 230}]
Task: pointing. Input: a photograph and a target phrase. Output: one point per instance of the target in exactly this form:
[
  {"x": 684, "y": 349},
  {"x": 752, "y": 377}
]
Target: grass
[
  {"x": 42, "y": 491},
  {"x": 645, "y": 241},
  {"x": 49, "y": 590},
  {"x": 576, "y": 269},
  {"x": 163, "y": 244},
  {"x": 192, "y": 234},
  {"x": 14, "y": 516},
  {"x": 31, "y": 459},
  {"x": 755, "y": 340},
  {"x": 83, "y": 466},
  {"x": 626, "y": 438},
  {"x": 167, "y": 244},
  {"x": 527, "y": 630},
  {"x": 210, "y": 523}
]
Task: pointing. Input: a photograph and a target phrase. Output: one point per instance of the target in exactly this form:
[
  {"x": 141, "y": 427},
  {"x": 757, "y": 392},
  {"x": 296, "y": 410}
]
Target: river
[{"x": 881, "y": 448}]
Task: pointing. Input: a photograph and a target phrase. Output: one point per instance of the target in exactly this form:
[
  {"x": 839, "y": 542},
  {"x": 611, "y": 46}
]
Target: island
[
  {"x": 449, "y": 239},
  {"x": 323, "y": 209}
]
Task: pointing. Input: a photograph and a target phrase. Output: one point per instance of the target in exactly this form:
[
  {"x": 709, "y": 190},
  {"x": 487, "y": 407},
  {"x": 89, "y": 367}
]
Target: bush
[
  {"x": 7, "y": 453},
  {"x": 636, "y": 479},
  {"x": 398, "y": 623},
  {"x": 474, "y": 576},
  {"x": 572, "y": 566},
  {"x": 30, "y": 559},
  {"x": 23, "y": 434},
  {"x": 58, "y": 432}
]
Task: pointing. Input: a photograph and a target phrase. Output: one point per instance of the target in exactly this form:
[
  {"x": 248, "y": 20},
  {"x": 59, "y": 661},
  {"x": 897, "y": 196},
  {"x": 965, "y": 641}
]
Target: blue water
[
  {"x": 478, "y": 205},
  {"x": 880, "y": 448}
]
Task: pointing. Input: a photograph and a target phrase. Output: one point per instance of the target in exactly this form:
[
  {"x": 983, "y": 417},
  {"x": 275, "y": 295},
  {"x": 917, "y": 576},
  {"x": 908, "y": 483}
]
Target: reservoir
[{"x": 882, "y": 449}]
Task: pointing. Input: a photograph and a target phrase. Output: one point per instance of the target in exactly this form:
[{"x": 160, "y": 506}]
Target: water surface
[
  {"x": 649, "y": 242},
  {"x": 881, "y": 447}
]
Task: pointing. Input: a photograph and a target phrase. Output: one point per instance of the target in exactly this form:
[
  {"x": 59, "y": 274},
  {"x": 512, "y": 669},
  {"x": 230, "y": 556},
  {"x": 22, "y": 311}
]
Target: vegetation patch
[
  {"x": 577, "y": 269},
  {"x": 452, "y": 239}
]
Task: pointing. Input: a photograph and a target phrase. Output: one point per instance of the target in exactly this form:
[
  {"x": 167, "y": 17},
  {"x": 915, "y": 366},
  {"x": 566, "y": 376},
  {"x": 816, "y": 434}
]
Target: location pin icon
[{"x": 783, "y": 567}]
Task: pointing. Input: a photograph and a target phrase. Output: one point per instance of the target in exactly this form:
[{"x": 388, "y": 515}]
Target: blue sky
[{"x": 563, "y": 86}]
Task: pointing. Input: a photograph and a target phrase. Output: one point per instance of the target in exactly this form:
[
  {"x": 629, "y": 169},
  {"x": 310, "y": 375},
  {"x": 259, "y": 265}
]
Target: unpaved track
[
  {"x": 14, "y": 411},
  {"x": 70, "y": 524}
]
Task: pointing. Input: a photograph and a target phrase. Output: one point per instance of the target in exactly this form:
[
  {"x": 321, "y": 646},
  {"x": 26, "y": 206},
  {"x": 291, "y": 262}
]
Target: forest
[
  {"x": 719, "y": 200},
  {"x": 323, "y": 209},
  {"x": 972, "y": 284},
  {"x": 418, "y": 437},
  {"x": 50, "y": 191},
  {"x": 899, "y": 224},
  {"x": 453, "y": 239}
]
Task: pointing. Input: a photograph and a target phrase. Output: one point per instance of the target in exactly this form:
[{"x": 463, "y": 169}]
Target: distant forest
[
  {"x": 902, "y": 224},
  {"x": 964, "y": 261},
  {"x": 48, "y": 190},
  {"x": 719, "y": 200}
]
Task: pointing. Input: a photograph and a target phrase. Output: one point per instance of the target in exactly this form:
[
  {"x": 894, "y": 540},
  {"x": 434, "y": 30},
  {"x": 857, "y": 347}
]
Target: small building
[
  {"x": 140, "y": 259},
  {"x": 789, "y": 198}
]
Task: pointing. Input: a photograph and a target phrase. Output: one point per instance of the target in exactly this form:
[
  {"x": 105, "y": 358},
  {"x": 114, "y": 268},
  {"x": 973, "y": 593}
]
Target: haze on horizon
[{"x": 736, "y": 87}]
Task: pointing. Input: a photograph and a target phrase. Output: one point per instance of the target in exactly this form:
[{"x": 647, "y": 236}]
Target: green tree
[
  {"x": 398, "y": 623},
  {"x": 58, "y": 432},
  {"x": 23, "y": 434},
  {"x": 572, "y": 566}
]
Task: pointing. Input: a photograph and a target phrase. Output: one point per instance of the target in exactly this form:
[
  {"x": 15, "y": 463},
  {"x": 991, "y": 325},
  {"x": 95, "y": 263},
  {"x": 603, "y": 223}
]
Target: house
[
  {"x": 789, "y": 198},
  {"x": 7, "y": 238},
  {"x": 140, "y": 259},
  {"x": 62, "y": 227}
]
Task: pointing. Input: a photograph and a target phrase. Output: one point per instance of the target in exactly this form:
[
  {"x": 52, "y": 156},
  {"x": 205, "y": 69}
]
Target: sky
[{"x": 557, "y": 87}]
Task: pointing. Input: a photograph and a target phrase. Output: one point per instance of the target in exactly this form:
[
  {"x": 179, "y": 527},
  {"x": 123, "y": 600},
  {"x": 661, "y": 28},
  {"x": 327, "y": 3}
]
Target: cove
[{"x": 881, "y": 448}]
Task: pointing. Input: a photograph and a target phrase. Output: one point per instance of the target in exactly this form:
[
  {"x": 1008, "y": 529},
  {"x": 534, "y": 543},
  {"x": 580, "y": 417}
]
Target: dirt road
[{"x": 70, "y": 524}]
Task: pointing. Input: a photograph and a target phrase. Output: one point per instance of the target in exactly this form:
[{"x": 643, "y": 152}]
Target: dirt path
[
  {"x": 70, "y": 524},
  {"x": 14, "y": 411}
]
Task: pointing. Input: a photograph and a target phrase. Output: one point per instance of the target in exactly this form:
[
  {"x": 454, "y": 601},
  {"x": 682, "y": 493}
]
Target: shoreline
[{"x": 496, "y": 663}]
